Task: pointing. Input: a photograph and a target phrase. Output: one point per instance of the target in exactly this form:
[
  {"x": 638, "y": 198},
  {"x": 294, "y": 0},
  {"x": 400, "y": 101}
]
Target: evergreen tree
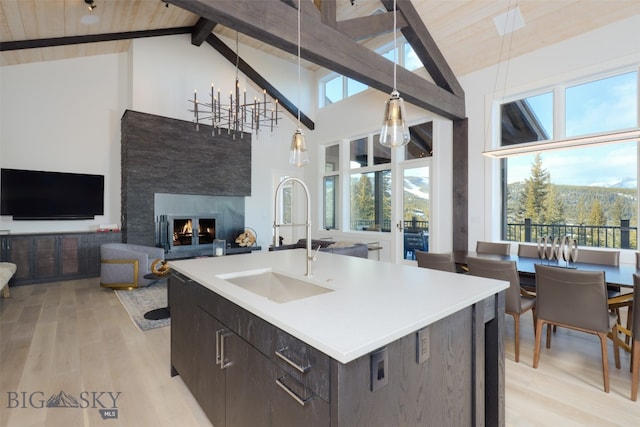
[
  {"x": 362, "y": 205},
  {"x": 553, "y": 207},
  {"x": 536, "y": 189},
  {"x": 596, "y": 216}
]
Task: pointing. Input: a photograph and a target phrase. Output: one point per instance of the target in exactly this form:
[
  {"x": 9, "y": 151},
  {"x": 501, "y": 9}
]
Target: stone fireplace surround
[
  {"x": 167, "y": 164},
  {"x": 228, "y": 212}
]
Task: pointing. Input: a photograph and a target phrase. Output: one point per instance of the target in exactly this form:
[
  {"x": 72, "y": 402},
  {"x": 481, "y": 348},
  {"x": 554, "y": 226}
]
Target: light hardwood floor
[{"x": 75, "y": 336}]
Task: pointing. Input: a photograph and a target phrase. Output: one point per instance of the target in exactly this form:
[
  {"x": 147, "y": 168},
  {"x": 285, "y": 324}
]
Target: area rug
[{"x": 139, "y": 301}]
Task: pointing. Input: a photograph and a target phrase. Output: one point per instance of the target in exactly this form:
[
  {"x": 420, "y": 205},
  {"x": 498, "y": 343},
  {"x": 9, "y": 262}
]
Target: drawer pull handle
[
  {"x": 299, "y": 367},
  {"x": 223, "y": 363},
  {"x": 290, "y": 392}
]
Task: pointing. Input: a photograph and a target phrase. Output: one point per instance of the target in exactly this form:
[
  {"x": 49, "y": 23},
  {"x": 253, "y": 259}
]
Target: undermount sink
[{"x": 274, "y": 286}]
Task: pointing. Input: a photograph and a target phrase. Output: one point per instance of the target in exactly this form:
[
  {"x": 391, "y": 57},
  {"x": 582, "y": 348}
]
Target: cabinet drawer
[{"x": 303, "y": 362}]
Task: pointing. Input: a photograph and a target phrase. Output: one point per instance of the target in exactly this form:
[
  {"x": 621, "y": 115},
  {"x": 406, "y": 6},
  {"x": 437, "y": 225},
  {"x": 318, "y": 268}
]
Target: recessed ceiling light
[
  {"x": 509, "y": 22},
  {"x": 90, "y": 19}
]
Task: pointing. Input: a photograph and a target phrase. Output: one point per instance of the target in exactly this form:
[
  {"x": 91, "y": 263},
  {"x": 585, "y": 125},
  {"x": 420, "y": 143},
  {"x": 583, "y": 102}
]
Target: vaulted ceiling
[
  {"x": 457, "y": 36},
  {"x": 463, "y": 29}
]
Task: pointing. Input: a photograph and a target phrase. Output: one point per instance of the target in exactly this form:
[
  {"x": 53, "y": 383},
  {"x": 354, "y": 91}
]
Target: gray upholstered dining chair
[
  {"x": 576, "y": 300},
  {"x": 528, "y": 280},
  {"x": 595, "y": 256},
  {"x": 443, "y": 262},
  {"x": 635, "y": 341},
  {"x": 529, "y": 251},
  {"x": 515, "y": 302},
  {"x": 633, "y": 332},
  {"x": 602, "y": 257},
  {"x": 493, "y": 248}
]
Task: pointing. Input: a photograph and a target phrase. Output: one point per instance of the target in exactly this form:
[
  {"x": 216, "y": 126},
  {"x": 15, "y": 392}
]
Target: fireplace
[
  {"x": 186, "y": 225},
  {"x": 188, "y": 235}
]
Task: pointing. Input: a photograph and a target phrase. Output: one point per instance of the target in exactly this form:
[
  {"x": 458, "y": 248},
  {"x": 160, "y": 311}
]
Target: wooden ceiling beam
[
  {"x": 275, "y": 23},
  {"x": 201, "y": 31},
  {"x": 90, "y": 38},
  {"x": 425, "y": 47},
  {"x": 370, "y": 26}
]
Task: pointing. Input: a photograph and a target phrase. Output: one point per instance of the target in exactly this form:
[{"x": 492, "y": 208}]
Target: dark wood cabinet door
[
  {"x": 248, "y": 384},
  {"x": 211, "y": 382},
  {"x": 182, "y": 303},
  {"x": 45, "y": 257},
  {"x": 69, "y": 256},
  {"x": 19, "y": 252}
]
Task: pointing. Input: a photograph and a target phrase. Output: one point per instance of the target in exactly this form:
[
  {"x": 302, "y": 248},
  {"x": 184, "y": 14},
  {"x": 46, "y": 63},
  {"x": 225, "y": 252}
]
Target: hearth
[
  {"x": 188, "y": 235},
  {"x": 186, "y": 225}
]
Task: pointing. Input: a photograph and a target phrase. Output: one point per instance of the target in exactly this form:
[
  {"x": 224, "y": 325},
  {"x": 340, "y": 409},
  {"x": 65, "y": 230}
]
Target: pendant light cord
[
  {"x": 237, "y": 55},
  {"x": 299, "y": 63},
  {"x": 395, "y": 46}
]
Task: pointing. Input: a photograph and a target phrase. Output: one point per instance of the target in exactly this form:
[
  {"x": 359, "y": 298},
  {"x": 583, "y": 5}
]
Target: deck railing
[
  {"x": 370, "y": 225},
  {"x": 623, "y": 236}
]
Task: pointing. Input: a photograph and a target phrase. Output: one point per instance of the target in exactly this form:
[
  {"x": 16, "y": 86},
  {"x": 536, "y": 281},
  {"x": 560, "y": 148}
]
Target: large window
[
  {"x": 587, "y": 192},
  {"x": 370, "y": 184},
  {"x": 336, "y": 87},
  {"x": 364, "y": 177}
]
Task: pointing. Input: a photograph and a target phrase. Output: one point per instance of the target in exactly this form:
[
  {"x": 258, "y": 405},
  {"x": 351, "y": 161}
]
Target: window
[
  {"x": 366, "y": 183},
  {"x": 371, "y": 201},
  {"x": 589, "y": 193},
  {"x": 331, "y": 181},
  {"x": 335, "y": 87}
]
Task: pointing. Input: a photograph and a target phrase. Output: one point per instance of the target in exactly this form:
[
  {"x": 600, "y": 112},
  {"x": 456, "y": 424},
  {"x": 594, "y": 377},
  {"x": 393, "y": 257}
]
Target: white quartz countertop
[{"x": 373, "y": 303}]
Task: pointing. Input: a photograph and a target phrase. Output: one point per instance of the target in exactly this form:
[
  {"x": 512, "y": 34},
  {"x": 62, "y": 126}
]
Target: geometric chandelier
[{"x": 233, "y": 115}]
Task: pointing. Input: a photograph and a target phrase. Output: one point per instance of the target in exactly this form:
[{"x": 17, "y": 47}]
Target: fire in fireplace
[
  {"x": 188, "y": 235},
  {"x": 183, "y": 231}
]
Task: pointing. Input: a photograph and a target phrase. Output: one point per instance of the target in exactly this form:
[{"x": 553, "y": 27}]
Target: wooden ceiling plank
[
  {"x": 257, "y": 78},
  {"x": 274, "y": 24},
  {"x": 13, "y": 16},
  {"x": 50, "y": 19}
]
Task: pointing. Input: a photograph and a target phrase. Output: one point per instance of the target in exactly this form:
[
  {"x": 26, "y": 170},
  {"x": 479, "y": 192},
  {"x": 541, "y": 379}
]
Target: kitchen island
[{"x": 378, "y": 344}]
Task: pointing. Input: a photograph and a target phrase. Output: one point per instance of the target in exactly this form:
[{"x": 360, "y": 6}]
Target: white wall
[
  {"x": 606, "y": 49},
  {"x": 166, "y": 71},
  {"x": 64, "y": 116}
]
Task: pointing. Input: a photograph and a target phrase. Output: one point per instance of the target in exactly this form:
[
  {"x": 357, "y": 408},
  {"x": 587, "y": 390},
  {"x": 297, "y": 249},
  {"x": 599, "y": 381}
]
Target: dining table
[{"x": 616, "y": 276}]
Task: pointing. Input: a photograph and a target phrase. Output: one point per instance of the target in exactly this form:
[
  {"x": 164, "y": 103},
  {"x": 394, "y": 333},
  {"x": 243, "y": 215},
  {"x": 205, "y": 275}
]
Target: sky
[{"x": 595, "y": 107}]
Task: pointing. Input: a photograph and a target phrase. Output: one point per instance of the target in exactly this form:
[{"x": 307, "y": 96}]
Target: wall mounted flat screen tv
[{"x": 39, "y": 195}]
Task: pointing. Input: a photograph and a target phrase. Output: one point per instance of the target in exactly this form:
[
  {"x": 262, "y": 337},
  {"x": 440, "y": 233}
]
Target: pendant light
[
  {"x": 395, "y": 132},
  {"x": 298, "y": 156}
]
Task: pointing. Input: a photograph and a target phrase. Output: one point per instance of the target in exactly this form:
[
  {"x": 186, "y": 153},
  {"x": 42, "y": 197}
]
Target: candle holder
[{"x": 219, "y": 247}]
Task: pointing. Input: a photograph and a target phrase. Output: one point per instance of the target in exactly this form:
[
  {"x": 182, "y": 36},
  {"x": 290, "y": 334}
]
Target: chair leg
[
  {"x": 536, "y": 350},
  {"x": 549, "y": 335},
  {"x": 535, "y": 316},
  {"x": 635, "y": 368},
  {"x": 605, "y": 361},
  {"x": 616, "y": 346},
  {"x": 627, "y": 339},
  {"x": 516, "y": 330}
]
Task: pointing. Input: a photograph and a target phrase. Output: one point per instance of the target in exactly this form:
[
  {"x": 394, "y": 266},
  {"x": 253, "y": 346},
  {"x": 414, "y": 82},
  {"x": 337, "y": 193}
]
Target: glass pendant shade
[
  {"x": 298, "y": 155},
  {"x": 395, "y": 132}
]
